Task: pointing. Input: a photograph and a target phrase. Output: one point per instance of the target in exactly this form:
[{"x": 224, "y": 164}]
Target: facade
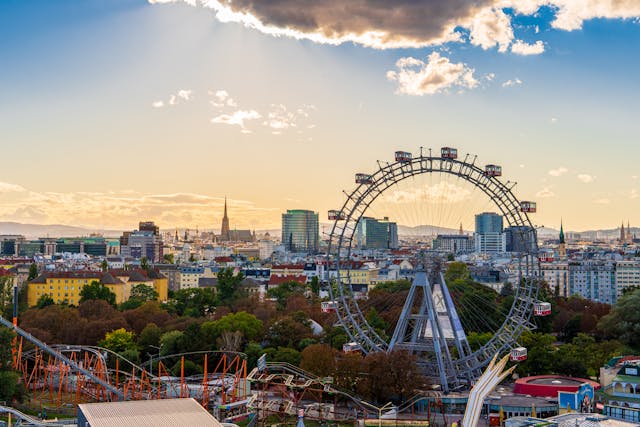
[
  {"x": 300, "y": 231},
  {"x": 376, "y": 234},
  {"x": 188, "y": 277},
  {"x": 489, "y": 237},
  {"x": 627, "y": 276},
  {"x": 520, "y": 239},
  {"x": 620, "y": 393},
  {"x": 143, "y": 243},
  {"x": 65, "y": 286},
  {"x": 556, "y": 274},
  {"x": 594, "y": 280},
  {"x": 454, "y": 243}
]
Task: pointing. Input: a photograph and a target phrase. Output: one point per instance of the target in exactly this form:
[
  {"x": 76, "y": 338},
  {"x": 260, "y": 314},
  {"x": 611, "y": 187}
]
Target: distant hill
[{"x": 51, "y": 230}]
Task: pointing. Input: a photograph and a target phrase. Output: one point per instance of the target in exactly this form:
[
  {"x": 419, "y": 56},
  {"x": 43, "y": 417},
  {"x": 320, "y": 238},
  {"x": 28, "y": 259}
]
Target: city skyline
[{"x": 123, "y": 111}]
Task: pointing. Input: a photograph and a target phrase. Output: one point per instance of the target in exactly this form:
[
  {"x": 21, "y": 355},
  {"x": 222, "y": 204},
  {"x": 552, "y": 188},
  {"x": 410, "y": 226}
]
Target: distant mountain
[{"x": 51, "y": 230}]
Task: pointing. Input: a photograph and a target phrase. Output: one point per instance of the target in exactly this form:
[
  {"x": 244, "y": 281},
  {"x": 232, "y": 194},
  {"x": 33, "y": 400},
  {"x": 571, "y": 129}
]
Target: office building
[
  {"x": 372, "y": 233},
  {"x": 300, "y": 231}
]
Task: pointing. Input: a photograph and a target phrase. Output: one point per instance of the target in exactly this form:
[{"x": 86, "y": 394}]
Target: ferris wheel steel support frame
[{"x": 388, "y": 174}]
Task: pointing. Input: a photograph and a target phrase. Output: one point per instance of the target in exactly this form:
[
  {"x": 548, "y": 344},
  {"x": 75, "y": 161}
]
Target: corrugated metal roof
[{"x": 148, "y": 413}]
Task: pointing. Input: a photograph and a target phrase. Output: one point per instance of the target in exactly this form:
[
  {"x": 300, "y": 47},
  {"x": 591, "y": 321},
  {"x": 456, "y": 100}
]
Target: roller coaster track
[
  {"x": 28, "y": 419},
  {"x": 53, "y": 352}
]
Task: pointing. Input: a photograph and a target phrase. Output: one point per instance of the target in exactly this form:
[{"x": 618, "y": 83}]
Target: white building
[
  {"x": 627, "y": 276},
  {"x": 556, "y": 274},
  {"x": 490, "y": 243}
]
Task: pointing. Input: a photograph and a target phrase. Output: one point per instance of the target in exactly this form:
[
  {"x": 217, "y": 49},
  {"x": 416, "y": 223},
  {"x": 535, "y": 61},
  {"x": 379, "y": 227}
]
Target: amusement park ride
[{"x": 429, "y": 325}]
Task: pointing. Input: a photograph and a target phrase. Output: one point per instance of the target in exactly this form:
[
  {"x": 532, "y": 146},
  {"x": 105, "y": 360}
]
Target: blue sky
[{"x": 114, "y": 111}]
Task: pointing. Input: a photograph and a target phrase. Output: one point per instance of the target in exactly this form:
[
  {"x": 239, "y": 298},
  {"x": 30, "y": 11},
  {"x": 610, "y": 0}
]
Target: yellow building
[{"x": 65, "y": 286}]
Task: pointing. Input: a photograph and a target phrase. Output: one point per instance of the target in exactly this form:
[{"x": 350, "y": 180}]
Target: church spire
[
  {"x": 224, "y": 229},
  {"x": 561, "y": 232}
]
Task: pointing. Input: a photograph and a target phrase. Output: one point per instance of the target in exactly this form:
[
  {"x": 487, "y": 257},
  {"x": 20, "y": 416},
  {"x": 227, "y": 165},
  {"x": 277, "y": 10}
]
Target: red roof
[
  {"x": 278, "y": 280},
  {"x": 288, "y": 267},
  {"x": 223, "y": 259},
  {"x": 4, "y": 272}
]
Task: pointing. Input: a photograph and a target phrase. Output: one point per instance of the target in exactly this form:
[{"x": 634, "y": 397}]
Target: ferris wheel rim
[{"x": 502, "y": 196}]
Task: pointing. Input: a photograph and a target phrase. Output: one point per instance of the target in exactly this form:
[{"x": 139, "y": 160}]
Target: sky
[{"x": 116, "y": 111}]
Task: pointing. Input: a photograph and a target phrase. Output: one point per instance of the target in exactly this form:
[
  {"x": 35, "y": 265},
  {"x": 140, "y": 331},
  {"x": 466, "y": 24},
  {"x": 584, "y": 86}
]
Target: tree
[
  {"x": 169, "y": 258},
  {"x": 97, "y": 290},
  {"x": 283, "y": 291},
  {"x": 623, "y": 323},
  {"x": 10, "y": 385},
  {"x": 194, "y": 302},
  {"x": 6, "y": 296},
  {"x": 314, "y": 284},
  {"x": 247, "y": 324},
  {"x": 119, "y": 341},
  {"x": 149, "y": 338},
  {"x": 319, "y": 359},
  {"x": 144, "y": 263},
  {"x": 44, "y": 301},
  {"x": 33, "y": 272},
  {"x": 104, "y": 265},
  {"x": 229, "y": 286},
  {"x": 289, "y": 330},
  {"x": 143, "y": 293},
  {"x": 457, "y": 271}
]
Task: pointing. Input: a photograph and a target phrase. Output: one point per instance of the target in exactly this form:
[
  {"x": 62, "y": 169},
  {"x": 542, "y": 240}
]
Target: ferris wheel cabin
[
  {"x": 493, "y": 170},
  {"x": 328, "y": 306},
  {"x": 542, "y": 309},
  {"x": 403, "y": 156},
  {"x": 363, "y": 178},
  {"x": 449, "y": 153},
  {"x": 528, "y": 207},
  {"x": 518, "y": 354},
  {"x": 335, "y": 215},
  {"x": 351, "y": 347}
]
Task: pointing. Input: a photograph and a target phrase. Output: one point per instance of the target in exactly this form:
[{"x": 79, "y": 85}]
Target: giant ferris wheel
[{"x": 429, "y": 325}]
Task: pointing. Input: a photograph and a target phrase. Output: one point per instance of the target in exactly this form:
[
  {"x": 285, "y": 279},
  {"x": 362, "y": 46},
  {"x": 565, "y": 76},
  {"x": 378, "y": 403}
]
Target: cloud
[
  {"x": 278, "y": 118},
  {"x": 222, "y": 99},
  {"x": 510, "y": 83},
  {"x": 585, "y": 178},
  {"x": 558, "y": 172},
  {"x": 603, "y": 201},
  {"x": 6, "y": 187},
  {"x": 124, "y": 209},
  {"x": 522, "y": 48},
  {"x": 437, "y": 75},
  {"x": 440, "y": 193},
  {"x": 633, "y": 194},
  {"x": 491, "y": 27},
  {"x": 408, "y": 23},
  {"x": 545, "y": 193},
  {"x": 174, "y": 99},
  {"x": 553, "y": 120},
  {"x": 237, "y": 118}
]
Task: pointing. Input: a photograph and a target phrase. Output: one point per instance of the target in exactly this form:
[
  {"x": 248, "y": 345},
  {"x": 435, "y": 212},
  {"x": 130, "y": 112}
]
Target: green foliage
[
  {"x": 44, "y": 301},
  {"x": 104, "y": 265},
  {"x": 623, "y": 322},
  {"x": 247, "y": 324},
  {"x": 97, "y": 290},
  {"x": 171, "y": 343},
  {"x": 457, "y": 271},
  {"x": 336, "y": 337},
  {"x": 119, "y": 341},
  {"x": 149, "y": 338},
  {"x": 33, "y": 272},
  {"x": 11, "y": 387},
  {"x": 253, "y": 350},
  {"x": 6, "y": 296},
  {"x": 314, "y": 285},
  {"x": 393, "y": 286},
  {"x": 194, "y": 302},
  {"x": 285, "y": 355},
  {"x": 289, "y": 330},
  {"x": 229, "y": 286},
  {"x": 477, "y": 340},
  {"x": 144, "y": 263},
  {"x": 283, "y": 291},
  {"x": 169, "y": 258},
  {"x": 190, "y": 368}
]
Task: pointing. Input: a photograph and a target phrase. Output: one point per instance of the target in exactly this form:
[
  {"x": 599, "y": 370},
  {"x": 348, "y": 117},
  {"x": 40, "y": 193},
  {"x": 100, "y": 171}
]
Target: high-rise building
[
  {"x": 300, "y": 231},
  {"x": 489, "y": 237},
  {"x": 376, "y": 234},
  {"x": 224, "y": 229},
  {"x": 520, "y": 239},
  {"x": 594, "y": 280},
  {"x": 143, "y": 243}
]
